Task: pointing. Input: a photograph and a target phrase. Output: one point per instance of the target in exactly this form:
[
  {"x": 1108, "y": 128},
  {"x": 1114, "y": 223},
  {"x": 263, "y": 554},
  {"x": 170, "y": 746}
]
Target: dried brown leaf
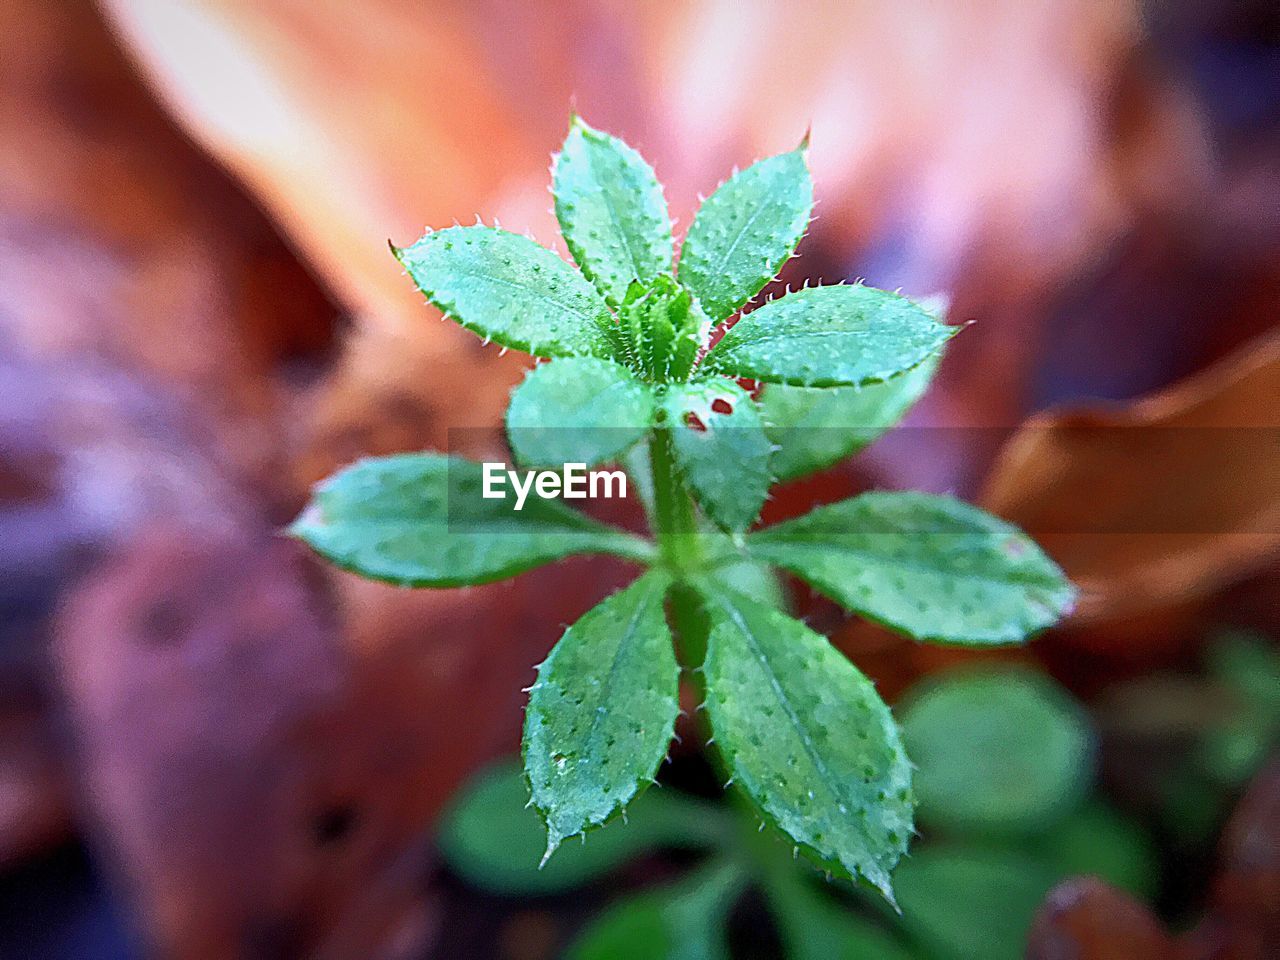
[{"x": 1167, "y": 498}]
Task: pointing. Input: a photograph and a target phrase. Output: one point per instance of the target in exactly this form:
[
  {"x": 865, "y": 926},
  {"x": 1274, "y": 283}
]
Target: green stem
[
  {"x": 676, "y": 525},
  {"x": 680, "y": 550},
  {"x": 683, "y": 551}
]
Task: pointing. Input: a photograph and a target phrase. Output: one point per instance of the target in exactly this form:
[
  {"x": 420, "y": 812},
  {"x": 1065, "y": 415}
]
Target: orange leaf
[{"x": 1165, "y": 499}]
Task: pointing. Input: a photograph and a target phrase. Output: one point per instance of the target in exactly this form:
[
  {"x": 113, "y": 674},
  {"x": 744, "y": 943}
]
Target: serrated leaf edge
[{"x": 619, "y": 809}]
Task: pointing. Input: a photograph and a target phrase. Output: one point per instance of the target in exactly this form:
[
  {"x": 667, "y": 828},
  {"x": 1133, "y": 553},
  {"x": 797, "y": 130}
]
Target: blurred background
[{"x": 212, "y": 747}]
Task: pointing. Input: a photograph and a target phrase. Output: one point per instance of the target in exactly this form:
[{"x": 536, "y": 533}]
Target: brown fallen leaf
[
  {"x": 1148, "y": 504},
  {"x": 354, "y": 125},
  {"x": 1085, "y": 919},
  {"x": 1245, "y": 901},
  {"x": 35, "y": 799},
  {"x": 264, "y": 747},
  {"x": 124, "y": 249},
  {"x": 145, "y": 306}
]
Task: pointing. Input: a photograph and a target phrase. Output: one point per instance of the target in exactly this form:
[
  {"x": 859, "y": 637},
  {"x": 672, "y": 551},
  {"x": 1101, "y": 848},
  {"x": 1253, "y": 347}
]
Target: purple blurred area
[{"x": 213, "y": 747}]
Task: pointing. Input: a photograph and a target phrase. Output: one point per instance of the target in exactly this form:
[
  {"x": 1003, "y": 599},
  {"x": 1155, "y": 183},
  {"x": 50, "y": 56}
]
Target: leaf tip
[
  {"x": 308, "y": 520},
  {"x": 553, "y": 843},
  {"x": 937, "y": 304}
]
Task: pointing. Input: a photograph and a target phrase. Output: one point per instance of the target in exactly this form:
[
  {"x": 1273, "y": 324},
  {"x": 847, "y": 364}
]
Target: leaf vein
[{"x": 806, "y": 742}]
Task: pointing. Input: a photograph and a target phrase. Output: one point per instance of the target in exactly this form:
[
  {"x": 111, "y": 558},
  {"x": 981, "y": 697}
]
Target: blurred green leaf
[
  {"x": 1211, "y": 733},
  {"x": 1001, "y": 750},
  {"x": 1098, "y": 840},
  {"x": 966, "y": 903},
  {"x": 815, "y": 927},
  {"x": 1231, "y": 755},
  {"x": 1192, "y": 806},
  {"x": 1248, "y": 664},
  {"x": 494, "y": 839},
  {"x": 682, "y": 922},
  {"x": 1246, "y": 668}
]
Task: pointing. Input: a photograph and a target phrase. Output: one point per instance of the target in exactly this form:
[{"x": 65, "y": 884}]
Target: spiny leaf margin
[
  {"x": 745, "y": 231},
  {"x": 612, "y": 213},
  {"x": 779, "y": 698},
  {"x": 418, "y": 520},
  {"x": 615, "y": 672},
  {"x": 842, "y": 335},
  {"x": 934, "y": 568},
  {"x": 509, "y": 289}
]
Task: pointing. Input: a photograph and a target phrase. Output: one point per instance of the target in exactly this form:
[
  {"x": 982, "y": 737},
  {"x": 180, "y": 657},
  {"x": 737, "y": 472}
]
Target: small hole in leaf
[
  {"x": 693, "y": 423},
  {"x": 721, "y": 405}
]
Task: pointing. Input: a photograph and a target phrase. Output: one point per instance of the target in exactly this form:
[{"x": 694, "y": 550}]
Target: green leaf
[
  {"x": 1004, "y": 750},
  {"x": 838, "y": 336},
  {"x": 756, "y": 580},
  {"x": 1235, "y": 741},
  {"x": 419, "y": 519},
  {"x": 508, "y": 289},
  {"x": 682, "y": 922},
  {"x": 960, "y": 903},
  {"x": 812, "y": 428},
  {"x": 815, "y": 927},
  {"x": 577, "y": 410},
  {"x": 720, "y": 447},
  {"x": 492, "y": 836},
  {"x": 807, "y": 737},
  {"x": 746, "y": 231},
  {"x": 931, "y": 567},
  {"x": 603, "y": 711},
  {"x": 1097, "y": 840},
  {"x": 611, "y": 211},
  {"x": 1247, "y": 666}
]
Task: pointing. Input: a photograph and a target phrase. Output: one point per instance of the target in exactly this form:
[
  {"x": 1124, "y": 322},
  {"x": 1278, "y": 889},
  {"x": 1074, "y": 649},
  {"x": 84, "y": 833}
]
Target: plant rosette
[{"x": 633, "y": 379}]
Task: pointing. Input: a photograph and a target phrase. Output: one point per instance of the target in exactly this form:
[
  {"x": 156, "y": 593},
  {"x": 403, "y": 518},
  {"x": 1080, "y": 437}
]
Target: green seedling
[
  {"x": 638, "y": 376},
  {"x": 1005, "y": 800}
]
